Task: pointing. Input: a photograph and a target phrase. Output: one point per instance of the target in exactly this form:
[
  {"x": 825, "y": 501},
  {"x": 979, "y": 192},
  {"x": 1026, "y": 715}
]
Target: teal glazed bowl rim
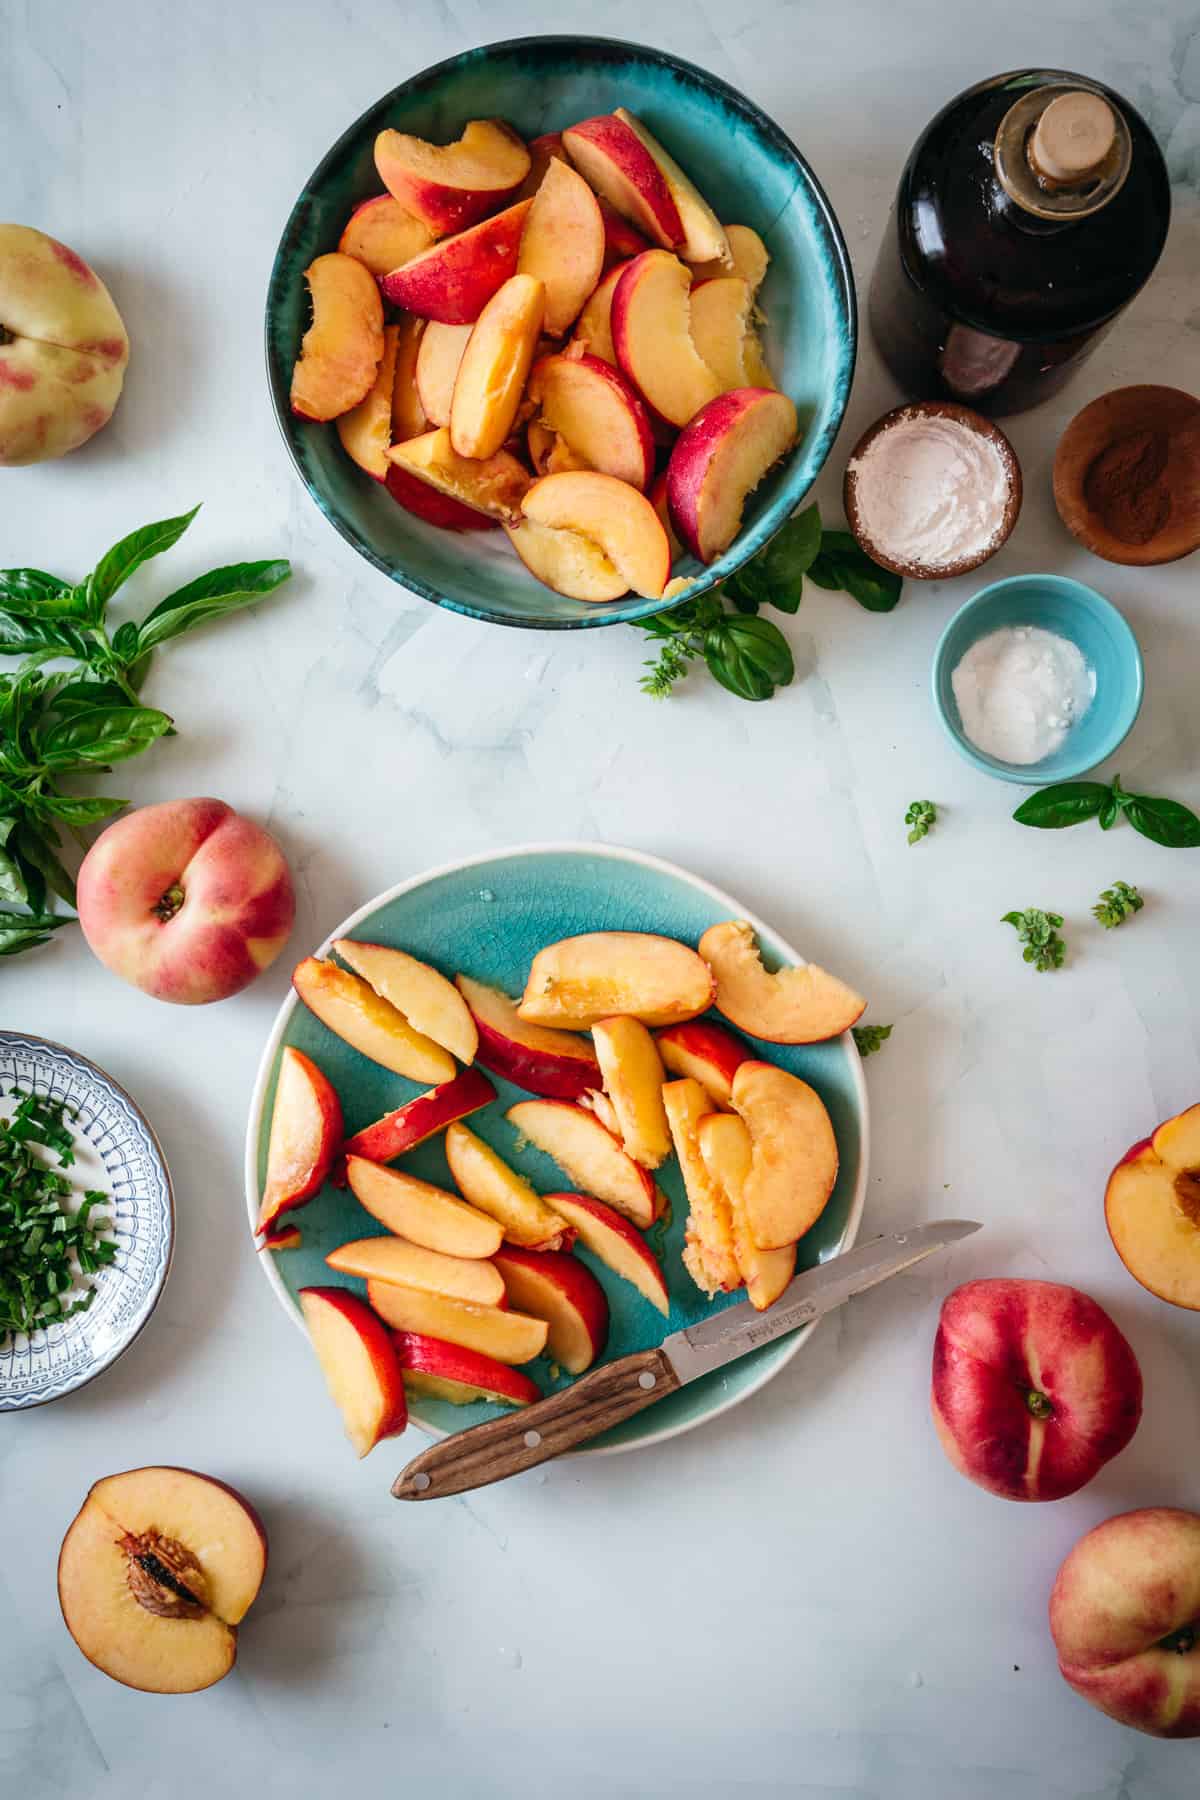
[
  {"x": 1097, "y": 735},
  {"x": 798, "y": 473}
]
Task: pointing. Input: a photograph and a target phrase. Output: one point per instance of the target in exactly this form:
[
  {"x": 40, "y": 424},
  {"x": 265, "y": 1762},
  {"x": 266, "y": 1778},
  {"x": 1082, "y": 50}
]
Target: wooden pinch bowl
[{"x": 1106, "y": 421}]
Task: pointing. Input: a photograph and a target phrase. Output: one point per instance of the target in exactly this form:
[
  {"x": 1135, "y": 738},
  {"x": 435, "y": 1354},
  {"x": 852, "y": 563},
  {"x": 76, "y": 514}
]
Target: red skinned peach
[{"x": 187, "y": 900}]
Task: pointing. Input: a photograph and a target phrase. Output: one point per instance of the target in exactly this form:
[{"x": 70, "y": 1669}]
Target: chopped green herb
[
  {"x": 921, "y": 816},
  {"x": 870, "y": 1037},
  {"x": 46, "y": 1249},
  {"x": 1116, "y": 904},
  {"x": 1038, "y": 931}
]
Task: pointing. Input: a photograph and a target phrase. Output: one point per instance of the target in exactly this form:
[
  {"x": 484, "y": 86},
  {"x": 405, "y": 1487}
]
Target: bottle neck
[{"x": 1062, "y": 152}]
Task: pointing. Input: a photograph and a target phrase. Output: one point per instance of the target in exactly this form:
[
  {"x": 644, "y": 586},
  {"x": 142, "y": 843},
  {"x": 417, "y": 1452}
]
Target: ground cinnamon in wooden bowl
[{"x": 1127, "y": 475}]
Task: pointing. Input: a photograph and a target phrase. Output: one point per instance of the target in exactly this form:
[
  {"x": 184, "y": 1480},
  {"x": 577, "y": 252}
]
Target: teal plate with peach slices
[
  {"x": 747, "y": 168},
  {"x": 487, "y": 918}
]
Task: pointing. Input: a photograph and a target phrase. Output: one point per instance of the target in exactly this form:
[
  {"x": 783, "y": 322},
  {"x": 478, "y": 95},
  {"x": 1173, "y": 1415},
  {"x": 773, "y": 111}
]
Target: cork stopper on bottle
[{"x": 1074, "y": 138}]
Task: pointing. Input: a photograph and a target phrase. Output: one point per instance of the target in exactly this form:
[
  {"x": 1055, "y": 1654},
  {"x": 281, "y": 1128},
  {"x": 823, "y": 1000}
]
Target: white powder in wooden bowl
[
  {"x": 931, "y": 491},
  {"x": 1019, "y": 691}
]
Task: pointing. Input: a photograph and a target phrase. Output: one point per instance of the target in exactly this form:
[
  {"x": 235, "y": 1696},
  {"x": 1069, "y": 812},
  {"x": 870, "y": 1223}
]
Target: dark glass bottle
[{"x": 1029, "y": 213}]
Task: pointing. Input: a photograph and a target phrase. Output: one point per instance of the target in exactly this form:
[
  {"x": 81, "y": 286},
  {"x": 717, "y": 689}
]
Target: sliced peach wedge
[
  {"x": 794, "y": 1160},
  {"x": 802, "y": 1005},
  {"x": 440, "y": 353},
  {"x": 341, "y": 350},
  {"x": 543, "y": 151},
  {"x": 616, "y": 164},
  {"x": 727, "y": 1150},
  {"x": 748, "y": 255},
  {"x": 494, "y": 486},
  {"x": 359, "y": 1365},
  {"x": 454, "y": 279},
  {"x": 651, "y": 333},
  {"x": 349, "y": 1006},
  {"x": 563, "y": 243},
  {"x": 593, "y": 328},
  {"x": 433, "y": 505},
  {"x": 420, "y": 1119},
  {"x": 381, "y": 235},
  {"x": 366, "y": 430},
  {"x": 557, "y": 1288},
  {"x": 156, "y": 1572},
  {"x": 580, "y": 980},
  {"x": 408, "y": 414},
  {"x": 723, "y": 331},
  {"x": 420, "y": 1212},
  {"x": 443, "y": 1371},
  {"x": 593, "y": 408},
  {"x": 615, "y": 516},
  {"x": 449, "y": 186},
  {"x": 306, "y": 1130},
  {"x": 510, "y": 1337},
  {"x": 495, "y": 366},
  {"x": 633, "y": 1081},
  {"x": 704, "y": 238},
  {"x": 566, "y": 561},
  {"x": 394, "y": 1259},
  {"x": 707, "y": 1053},
  {"x": 486, "y": 1181},
  {"x": 718, "y": 460},
  {"x": 558, "y": 1065},
  {"x": 589, "y": 1156},
  {"x": 431, "y": 1004},
  {"x": 708, "y": 1254},
  {"x": 614, "y": 1242}
]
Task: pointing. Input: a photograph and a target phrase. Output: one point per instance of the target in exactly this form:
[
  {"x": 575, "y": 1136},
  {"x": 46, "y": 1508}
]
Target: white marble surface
[{"x": 802, "y": 1599}]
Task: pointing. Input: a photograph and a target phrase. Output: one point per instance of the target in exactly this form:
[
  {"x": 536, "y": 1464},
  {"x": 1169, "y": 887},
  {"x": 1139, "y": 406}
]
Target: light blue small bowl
[{"x": 1071, "y": 610}]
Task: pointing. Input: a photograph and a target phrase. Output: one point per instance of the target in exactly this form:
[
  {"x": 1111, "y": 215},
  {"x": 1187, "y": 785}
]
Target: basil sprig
[
  {"x": 82, "y": 719},
  {"x": 747, "y": 654},
  {"x": 1165, "y": 822}
]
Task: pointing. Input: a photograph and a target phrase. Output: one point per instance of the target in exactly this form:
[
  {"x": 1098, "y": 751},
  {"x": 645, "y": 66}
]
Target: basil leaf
[
  {"x": 844, "y": 567},
  {"x": 775, "y": 577},
  {"x": 35, "y": 848},
  {"x": 118, "y": 564},
  {"x": 1066, "y": 803},
  {"x": 76, "y": 810},
  {"x": 32, "y": 593},
  {"x": 22, "y": 636},
  {"x": 25, "y": 931},
  {"x": 125, "y": 642},
  {"x": 749, "y": 657},
  {"x": 86, "y": 696},
  {"x": 35, "y": 882},
  {"x": 102, "y": 735},
  {"x": 220, "y": 591},
  {"x": 1165, "y": 822},
  {"x": 1110, "y": 812},
  {"x": 12, "y": 882}
]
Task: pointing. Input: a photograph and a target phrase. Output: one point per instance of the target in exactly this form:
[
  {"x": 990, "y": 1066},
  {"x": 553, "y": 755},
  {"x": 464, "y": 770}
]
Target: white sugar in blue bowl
[{"x": 1067, "y": 609}]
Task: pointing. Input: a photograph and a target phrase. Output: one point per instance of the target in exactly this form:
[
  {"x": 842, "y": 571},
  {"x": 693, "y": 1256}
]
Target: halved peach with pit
[
  {"x": 651, "y": 333},
  {"x": 614, "y": 515},
  {"x": 381, "y": 235},
  {"x": 341, "y": 350},
  {"x": 450, "y": 186},
  {"x": 1152, "y": 1209},
  {"x": 719, "y": 459}
]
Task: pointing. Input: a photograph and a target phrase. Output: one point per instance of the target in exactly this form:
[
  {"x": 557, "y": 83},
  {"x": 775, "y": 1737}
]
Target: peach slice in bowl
[
  {"x": 672, "y": 145},
  {"x": 517, "y": 1165}
]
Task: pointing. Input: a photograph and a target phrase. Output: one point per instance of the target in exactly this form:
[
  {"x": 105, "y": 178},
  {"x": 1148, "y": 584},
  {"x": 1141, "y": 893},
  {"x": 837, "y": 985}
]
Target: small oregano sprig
[
  {"x": 1116, "y": 904},
  {"x": 749, "y": 655},
  {"x": 82, "y": 719},
  {"x": 1038, "y": 931},
  {"x": 870, "y": 1037},
  {"x": 921, "y": 817},
  {"x": 1166, "y": 822}
]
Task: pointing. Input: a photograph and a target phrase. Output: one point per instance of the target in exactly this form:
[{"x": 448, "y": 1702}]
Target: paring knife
[{"x": 534, "y": 1434}]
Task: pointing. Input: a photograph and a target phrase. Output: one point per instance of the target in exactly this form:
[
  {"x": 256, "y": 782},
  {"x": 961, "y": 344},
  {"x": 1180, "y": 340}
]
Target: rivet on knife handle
[{"x": 533, "y": 1434}]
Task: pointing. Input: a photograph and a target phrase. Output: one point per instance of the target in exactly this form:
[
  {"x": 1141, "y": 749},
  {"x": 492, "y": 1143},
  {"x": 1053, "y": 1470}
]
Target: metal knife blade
[{"x": 730, "y": 1334}]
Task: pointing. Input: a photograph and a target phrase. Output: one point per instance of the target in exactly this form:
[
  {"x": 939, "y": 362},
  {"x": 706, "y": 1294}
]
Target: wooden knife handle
[{"x": 533, "y": 1434}]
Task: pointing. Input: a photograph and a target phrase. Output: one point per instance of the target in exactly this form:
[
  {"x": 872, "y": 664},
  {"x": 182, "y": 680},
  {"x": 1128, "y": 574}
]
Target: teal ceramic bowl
[
  {"x": 487, "y": 917},
  {"x": 750, "y": 172},
  {"x": 1071, "y": 610}
]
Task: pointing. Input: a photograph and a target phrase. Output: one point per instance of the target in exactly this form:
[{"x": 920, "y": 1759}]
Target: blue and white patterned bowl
[
  {"x": 748, "y": 169},
  {"x": 116, "y": 1152}
]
